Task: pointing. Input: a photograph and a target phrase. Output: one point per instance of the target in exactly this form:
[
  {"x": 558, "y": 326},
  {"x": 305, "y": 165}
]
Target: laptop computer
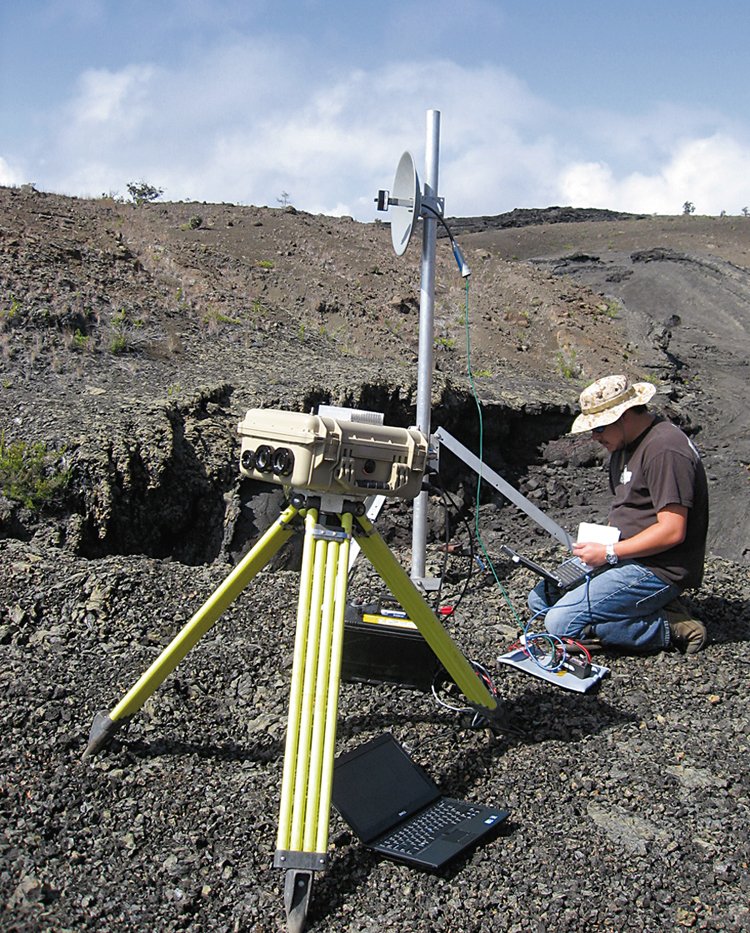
[
  {"x": 569, "y": 574},
  {"x": 396, "y": 809},
  {"x": 572, "y": 571}
]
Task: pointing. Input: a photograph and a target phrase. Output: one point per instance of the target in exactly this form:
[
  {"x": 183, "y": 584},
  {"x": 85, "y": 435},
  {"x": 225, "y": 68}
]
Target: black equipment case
[{"x": 383, "y": 646}]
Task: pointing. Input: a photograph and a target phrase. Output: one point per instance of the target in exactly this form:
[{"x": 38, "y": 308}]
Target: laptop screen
[{"x": 377, "y": 785}]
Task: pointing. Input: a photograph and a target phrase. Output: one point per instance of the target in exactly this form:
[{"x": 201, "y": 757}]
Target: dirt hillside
[
  {"x": 124, "y": 326},
  {"x": 133, "y": 338}
]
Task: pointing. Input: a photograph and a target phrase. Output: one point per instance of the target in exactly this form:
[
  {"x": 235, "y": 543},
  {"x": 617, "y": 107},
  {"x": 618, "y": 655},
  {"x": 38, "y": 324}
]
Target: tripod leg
[
  {"x": 297, "y": 890},
  {"x": 106, "y": 724},
  {"x": 419, "y": 611},
  {"x": 307, "y": 780}
]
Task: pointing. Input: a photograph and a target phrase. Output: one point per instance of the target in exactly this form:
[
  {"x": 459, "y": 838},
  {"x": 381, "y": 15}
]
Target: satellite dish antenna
[
  {"x": 409, "y": 204},
  {"x": 406, "y": 201}
]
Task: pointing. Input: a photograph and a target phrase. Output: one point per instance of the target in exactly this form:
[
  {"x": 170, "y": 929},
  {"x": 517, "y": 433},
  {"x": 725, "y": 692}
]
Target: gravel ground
[
  {"x": 629, "y": 806},
  {"x": 131, "y": 341}
]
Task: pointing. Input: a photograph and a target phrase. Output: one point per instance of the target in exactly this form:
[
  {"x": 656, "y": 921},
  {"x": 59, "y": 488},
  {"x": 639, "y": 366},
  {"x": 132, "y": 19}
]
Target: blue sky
[{"x": 637, "y": 106}]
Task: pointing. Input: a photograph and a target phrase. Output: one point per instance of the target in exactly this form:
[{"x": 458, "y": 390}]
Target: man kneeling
[{"x": 660, "y": 507}]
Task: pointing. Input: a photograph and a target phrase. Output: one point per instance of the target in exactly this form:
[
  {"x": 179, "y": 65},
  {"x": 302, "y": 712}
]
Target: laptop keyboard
[
  {"x": 571, "y": 571},
  {"x": 424, "y": 828}
]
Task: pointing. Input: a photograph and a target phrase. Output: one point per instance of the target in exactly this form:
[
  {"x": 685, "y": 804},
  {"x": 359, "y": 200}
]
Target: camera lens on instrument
[
  {"x": 263, "y": 458},
  {"x": 248, "y": 460},
  {"x": 283, "y": 461}
]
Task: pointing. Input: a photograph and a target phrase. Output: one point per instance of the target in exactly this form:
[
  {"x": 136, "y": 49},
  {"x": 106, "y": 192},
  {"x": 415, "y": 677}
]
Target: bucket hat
[{"x": 606, "y": 399}]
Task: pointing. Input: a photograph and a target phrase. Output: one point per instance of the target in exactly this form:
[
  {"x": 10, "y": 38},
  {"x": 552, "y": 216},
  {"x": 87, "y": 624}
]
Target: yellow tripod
[{"x": 304, "y": 811}]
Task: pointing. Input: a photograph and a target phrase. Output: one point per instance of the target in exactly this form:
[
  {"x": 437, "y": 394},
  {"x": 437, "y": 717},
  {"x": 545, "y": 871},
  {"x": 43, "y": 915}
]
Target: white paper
[{"x": 589, "y": 532}]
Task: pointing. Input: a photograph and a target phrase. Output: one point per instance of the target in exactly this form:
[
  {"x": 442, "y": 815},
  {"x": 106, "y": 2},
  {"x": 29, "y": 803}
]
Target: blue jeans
[{"x": 621, "y": 606}]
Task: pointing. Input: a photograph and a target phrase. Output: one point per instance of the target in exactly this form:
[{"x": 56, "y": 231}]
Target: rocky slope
[{"x": 132, "y": 340}]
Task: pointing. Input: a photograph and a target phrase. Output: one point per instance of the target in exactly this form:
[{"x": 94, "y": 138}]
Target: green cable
[{"x": 475, "y": 395}]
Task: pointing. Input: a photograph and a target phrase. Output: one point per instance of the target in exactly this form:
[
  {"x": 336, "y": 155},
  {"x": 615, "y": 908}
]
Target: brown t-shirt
[{"x": 662, "y": 467}]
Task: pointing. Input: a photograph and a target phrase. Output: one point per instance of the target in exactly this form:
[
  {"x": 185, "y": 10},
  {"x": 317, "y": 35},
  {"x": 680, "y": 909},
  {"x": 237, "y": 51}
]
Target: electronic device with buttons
[{"x": 321, "y": 454}]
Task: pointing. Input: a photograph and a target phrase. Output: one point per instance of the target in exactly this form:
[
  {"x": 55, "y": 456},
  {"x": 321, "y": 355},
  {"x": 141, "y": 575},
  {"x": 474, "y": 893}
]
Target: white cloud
[
  {"x": 112, "y": 98},
  {"x": 8, "y": 175},
  {"x": 343, "y": 142},
  {"x": 588, "y": 184},
  {"x": 712, "y": 172},
  {"x": 247, "y": 120}
]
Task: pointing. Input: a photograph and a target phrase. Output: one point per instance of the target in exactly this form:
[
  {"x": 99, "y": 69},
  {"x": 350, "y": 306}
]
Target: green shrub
[
  {"x": 118, "y": 343},
  {"x": 11, "y": 314},
  {"x": 31, "y": 474},
  {"x": 213, "y": 318},
  {"x": 79, "y": 340},
  {"x": 447, "y": 343},
  {"x": 120, "y": 324},
  {"x": 568, "y": 365},
  {"x": 609, "y": 307},
  {"x": 142, "y": 193}
]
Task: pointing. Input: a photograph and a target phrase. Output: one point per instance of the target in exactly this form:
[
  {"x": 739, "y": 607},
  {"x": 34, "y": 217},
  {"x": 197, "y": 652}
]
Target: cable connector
[{"x": 463, "y": 266}]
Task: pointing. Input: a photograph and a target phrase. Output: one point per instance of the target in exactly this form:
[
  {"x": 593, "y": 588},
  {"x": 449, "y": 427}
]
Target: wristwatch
[{"x": 612, "y": 558}]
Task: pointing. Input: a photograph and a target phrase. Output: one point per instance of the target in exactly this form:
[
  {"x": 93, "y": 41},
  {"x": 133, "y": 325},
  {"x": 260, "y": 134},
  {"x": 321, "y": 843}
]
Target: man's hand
[{"x": 594, "y": 555}]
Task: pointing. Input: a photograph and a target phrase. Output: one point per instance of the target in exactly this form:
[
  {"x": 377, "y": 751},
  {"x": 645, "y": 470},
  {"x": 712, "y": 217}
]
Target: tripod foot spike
[
  {"x": 102, "y": 730},
  {"x": 297, "y": 890}
]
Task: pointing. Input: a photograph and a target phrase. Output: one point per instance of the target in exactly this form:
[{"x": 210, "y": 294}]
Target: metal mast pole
[{"x": 426, "y": 332}]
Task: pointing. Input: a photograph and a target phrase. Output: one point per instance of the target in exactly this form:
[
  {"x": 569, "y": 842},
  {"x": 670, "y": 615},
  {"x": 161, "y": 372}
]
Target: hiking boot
[{"x": 685, "y": 631}]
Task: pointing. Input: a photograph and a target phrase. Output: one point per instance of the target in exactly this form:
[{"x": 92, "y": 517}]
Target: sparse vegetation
[
  {"x": 265, "y": 263},
  {"x": 182, "y": 302},
  {"x": 688, "y": 208},
  {"x": 142, "y": 193},
  {"x": 10, "y": 314},
  {"x": 119, "y": 341},
  {"x": 213, "y": 318},
  {"x": 79, "y": 340},
  {"x": 609, "y": 307},
  {"x": 447, "y": 343},
  {"x": 567, "y": 364},
  {"x": 30, "y": 473}
]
